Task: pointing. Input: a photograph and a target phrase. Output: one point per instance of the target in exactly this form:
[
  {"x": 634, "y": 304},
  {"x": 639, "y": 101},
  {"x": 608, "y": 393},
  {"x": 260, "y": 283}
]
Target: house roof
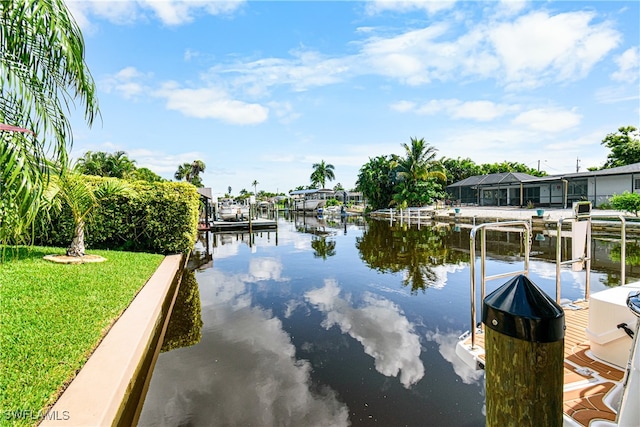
[
  {"x": 517, "y": 177},
  {"x": 620, "y": 170},
  {"x": 205, "y": 192},
  {"x": 495, "y": 179},
  {"x": 311, "y": 191}
]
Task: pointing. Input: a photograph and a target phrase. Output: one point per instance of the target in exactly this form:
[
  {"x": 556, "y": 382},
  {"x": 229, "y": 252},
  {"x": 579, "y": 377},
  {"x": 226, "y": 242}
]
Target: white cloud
[
  {"x": 481, "y": 110},
  {"x": 169, "y": 12},
  {"x": 628, "y": 66},
  {"x": 429, "y": 6},
  {"x": 539, "y": 47},
  {"x": 213, "y": 103},
  {"x": 128, "y": 82},
  {"x": 284, "y": 111},
  {"x": 548, "y": 120},
  {"x": 385, "y": 333},
  {"x": 403, "y": 106}
]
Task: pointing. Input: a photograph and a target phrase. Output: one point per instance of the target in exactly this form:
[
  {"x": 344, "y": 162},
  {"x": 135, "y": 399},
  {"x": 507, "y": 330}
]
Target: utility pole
[{"x": 577, "y": 164}]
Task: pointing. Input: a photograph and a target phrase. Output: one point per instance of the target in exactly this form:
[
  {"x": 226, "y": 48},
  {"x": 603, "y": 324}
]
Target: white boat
[
  {"x": 230, "y": 210},
  {"x": 601, "y": 343},
  {"x": 311, "y": 200}
]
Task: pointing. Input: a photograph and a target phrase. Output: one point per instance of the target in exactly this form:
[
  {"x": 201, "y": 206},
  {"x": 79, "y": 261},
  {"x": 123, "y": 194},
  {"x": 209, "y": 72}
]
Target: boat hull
[{"x": 234, "y": 213}]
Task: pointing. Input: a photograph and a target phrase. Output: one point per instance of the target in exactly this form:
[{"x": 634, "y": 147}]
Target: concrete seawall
[{"x": 107, "y": 389}]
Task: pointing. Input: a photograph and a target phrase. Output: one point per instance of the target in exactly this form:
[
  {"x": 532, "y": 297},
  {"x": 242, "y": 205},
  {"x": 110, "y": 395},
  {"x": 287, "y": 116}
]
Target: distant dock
[{"x": 255, "y": 224}]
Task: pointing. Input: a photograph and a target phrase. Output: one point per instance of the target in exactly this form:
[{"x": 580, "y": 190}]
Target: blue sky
[{"x": 262, "y": 90}]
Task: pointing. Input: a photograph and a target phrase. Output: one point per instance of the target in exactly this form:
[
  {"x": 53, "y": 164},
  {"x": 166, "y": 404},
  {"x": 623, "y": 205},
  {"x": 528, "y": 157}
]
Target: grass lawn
[{"x": 52, "y": 316}]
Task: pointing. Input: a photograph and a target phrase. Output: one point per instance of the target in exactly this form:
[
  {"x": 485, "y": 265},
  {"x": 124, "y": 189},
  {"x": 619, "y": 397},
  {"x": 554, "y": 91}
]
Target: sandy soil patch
[{"x": 65, "y": 259}]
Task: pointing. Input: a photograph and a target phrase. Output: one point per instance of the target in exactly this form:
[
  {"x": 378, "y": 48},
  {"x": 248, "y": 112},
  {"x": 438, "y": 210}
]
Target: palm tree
[
  {"x": 255, "y": 187},
  {"x": 116, "y": 165},
  {"x": 190, "y": 172},
  {"x": 415, "y": 172},
  {"x": 321, "y": 173},
  {"x": 71, "y": 188},
  {"x": 197, "y": 167},
  {"x": 43, "y": 72},
  {"x": 419, "y": 162},
  {"x": 120, "y": 166}
]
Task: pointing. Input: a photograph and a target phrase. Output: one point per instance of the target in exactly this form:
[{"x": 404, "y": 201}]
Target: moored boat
[
  {"x": 230, "y": 210},
  {"x": 311, "y": 200}
]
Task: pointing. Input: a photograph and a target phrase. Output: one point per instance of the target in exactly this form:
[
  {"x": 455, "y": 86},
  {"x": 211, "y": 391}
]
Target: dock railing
[
  {"x": 525, "y": 226},
  {"x": 482, "y": 228},
  {"x": 586, "y": 258}
]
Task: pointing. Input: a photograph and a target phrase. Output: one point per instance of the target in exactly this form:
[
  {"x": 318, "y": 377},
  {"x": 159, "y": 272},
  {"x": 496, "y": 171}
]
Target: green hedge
[{"x": 160, "y": 217}]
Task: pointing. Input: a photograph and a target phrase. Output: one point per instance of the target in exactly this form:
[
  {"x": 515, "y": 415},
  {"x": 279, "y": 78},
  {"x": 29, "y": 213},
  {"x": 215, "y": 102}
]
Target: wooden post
[{"x": 524, "y": 348}]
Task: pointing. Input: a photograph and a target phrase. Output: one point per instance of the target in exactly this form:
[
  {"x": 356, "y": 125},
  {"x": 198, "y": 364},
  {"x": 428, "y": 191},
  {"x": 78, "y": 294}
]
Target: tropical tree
[
  {"x": 505, "y": 166},
  {"x": 376, "y": 181},
  {"x": 190, "y": 172},
  {"x": 321, "y": 173},
  {"x": 43, "y": 72},
  {"x": 146, "y": 174},
  {"x": 459, "y": 169},
  {"x": 255, "y": 187},
  {"x": 624, "y": 146},
  {"x": 69, "y": 187},
  {"x": 116, "y": 165},
  {"x": 418, "y": 174},
  {"x": 20, "y": 184}
]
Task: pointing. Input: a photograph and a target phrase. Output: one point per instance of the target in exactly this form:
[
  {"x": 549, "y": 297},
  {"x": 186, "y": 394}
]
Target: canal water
[{"x": 337, "y": 323}]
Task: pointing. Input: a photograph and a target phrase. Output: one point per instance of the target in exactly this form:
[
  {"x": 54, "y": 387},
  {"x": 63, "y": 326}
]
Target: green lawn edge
[{"x": 52, "y": 317}]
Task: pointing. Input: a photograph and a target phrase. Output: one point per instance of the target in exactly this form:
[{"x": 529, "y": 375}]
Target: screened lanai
[{"x": 521, "y": 189}]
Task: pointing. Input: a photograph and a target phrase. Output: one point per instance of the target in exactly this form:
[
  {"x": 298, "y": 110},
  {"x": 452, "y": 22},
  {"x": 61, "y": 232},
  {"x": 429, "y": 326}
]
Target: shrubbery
[
  {"x": 161, "y": 217},
  {"x": 627, "y": 202}
]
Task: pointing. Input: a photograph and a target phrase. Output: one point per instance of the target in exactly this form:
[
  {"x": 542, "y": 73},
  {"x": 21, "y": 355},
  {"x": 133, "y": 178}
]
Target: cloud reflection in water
[
  {"x": 379, "y": 325},
  {"x": 447, "y": 347},
  {"x": 249, "y": 375}
]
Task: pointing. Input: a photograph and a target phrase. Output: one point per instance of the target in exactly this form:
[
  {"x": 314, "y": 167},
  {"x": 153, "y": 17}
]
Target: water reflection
[
  {"x": 311, "y": 325},
  {"x": 414, "y": 251},
  {"x": 379, "y": 325},
  {"x": 185, "y": 324},
  {"x": 250, "y": 375},
  {"x": 447, "y": 348},
  {"x": 323, "y": 248}
]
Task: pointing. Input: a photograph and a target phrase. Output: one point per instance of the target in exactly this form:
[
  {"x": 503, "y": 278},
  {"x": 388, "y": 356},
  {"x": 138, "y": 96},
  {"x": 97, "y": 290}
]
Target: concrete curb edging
[{"x": 95, "y": 396}]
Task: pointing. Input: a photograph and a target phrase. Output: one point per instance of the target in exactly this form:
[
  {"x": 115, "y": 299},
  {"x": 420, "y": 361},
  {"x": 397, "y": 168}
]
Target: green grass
[{"x": 52, "y": 316}]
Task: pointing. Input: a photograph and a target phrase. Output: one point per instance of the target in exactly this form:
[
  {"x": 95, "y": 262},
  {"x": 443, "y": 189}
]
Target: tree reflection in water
[
  {"x": 185, "y": 324},
  {"x": 399, "y": 247},
  {"x": 323, "y": 248}
]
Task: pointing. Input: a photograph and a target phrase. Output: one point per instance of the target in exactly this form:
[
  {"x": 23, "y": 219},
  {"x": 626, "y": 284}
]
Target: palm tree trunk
[{"x": 77, "y": 244}]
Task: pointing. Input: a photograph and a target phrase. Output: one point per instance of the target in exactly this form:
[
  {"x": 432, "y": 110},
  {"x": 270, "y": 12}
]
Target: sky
[{"x": 262, "y": 90}]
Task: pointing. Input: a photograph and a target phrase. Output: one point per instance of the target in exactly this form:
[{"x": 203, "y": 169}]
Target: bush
[
  {"x": 627, "y": 202},
  {"x": 161, "y": 217}
]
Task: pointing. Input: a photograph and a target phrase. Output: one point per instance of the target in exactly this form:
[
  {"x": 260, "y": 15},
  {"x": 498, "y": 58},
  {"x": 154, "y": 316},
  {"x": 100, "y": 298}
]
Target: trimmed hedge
[{"x": 161, "y": 217}]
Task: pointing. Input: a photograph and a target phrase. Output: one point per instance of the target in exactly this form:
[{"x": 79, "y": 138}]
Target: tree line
[
  {"x": 417, "y": 178},
  {"x": 44, "y": 73}
]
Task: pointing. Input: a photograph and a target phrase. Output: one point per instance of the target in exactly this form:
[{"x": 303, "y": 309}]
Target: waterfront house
[{"x": 520, "y": 189}]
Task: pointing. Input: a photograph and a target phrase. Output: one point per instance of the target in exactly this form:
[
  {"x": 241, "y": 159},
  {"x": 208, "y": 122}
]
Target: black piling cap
[{"x": 520, "y": 309}]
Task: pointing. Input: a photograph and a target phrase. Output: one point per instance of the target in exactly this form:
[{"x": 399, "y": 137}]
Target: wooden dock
[
  {"x": 586, "y": 380},
  {"x": 256, "y": 224}
]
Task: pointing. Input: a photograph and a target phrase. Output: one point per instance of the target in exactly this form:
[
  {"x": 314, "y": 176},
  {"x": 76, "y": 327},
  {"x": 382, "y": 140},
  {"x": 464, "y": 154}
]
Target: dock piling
[{"x": 524, "y": 347}]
